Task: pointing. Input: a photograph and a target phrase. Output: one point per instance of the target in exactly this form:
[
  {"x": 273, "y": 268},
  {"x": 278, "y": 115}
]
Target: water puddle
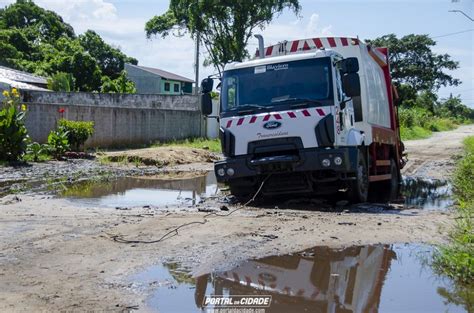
[
  {"x": 141, "y": 191},
  {"x": 379, "y": 278},
  {"x": 426, "y": 194}
]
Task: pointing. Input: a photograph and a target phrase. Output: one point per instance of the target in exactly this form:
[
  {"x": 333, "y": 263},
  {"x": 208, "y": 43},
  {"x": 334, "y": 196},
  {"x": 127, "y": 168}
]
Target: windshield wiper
[
  {"x": 300, "y": 102},
  {"x": 247, "y": 108}
]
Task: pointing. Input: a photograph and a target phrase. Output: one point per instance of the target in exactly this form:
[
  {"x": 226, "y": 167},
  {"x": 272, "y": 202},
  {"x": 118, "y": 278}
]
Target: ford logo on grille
[{"x": 272, "y": 125}]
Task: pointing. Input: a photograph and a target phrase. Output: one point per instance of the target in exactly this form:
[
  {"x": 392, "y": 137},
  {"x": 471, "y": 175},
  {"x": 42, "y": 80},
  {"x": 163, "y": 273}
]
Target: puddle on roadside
[
  {"x": 426, "y": 194},
  {"x": 141, "y": 191},
  {"x": 420, "y": 193},
  {"x": 379, "y": 278}
]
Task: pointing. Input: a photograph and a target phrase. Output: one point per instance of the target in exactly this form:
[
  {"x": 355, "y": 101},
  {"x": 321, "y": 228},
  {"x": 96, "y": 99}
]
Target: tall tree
[
  {"x": 38, "y": 24},
  {"x": 111, "y": 60},
  {"x": 224, "y": 26},
  {"x": 414, "y": 63},
  {"x": 39, "y": 41}
]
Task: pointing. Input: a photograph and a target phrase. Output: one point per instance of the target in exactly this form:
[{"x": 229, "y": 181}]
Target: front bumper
[{"x": 307, "y": 160}]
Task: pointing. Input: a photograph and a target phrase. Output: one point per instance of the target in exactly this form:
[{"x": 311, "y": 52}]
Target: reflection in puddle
[
  {"x": 378, "y": 278},
  {"x": 430, "y": 194},
  {"x": 131, "y": 191}
]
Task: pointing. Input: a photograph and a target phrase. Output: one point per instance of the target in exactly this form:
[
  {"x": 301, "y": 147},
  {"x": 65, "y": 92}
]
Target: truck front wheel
[
  {"x": 241, "y": 189},
  {"x": 359, "y": 187}
]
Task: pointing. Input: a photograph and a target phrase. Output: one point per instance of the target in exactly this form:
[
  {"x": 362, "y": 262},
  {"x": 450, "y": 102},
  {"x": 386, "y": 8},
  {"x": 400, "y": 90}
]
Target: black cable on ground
[{"x": 174, "y": 231}]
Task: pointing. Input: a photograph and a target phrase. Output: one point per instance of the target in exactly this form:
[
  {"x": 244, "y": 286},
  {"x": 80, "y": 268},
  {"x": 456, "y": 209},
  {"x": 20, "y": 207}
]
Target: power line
[{"x": 452, "y": 34}]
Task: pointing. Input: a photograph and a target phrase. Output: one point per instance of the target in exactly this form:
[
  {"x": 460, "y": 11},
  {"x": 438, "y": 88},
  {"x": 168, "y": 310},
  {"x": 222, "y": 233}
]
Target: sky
[{"x": 122, "y": 22}]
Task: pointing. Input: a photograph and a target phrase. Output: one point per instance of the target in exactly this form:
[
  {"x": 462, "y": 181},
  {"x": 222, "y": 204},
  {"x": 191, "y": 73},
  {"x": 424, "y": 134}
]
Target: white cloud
[
  {"x": 296, "y": 29},
  {"x": 313, "y": 30}
]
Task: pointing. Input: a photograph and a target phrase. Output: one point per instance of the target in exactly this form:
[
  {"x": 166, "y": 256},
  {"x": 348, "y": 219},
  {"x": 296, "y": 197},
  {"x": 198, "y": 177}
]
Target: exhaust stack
[{"x": 261, "y": 49}]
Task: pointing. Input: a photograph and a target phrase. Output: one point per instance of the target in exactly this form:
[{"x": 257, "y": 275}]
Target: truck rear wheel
[
  {"x": 394, "y": 183},
  {"x": 359, "y": 188}
]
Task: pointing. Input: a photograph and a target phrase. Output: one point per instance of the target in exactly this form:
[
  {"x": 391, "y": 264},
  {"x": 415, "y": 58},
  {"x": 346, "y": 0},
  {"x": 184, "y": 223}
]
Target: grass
[
  {"x": 425, "y": 131},
  {"x": 213, "y": 145},
  {"x": 41, "y": 158},
  {"x": 456, "y": 259},
  {"x": 415, "y": 132},
  {"x": 418, "y": 123}
]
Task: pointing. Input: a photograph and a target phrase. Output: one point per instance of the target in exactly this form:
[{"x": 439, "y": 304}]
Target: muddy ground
[{"x": 58, "y": 255}]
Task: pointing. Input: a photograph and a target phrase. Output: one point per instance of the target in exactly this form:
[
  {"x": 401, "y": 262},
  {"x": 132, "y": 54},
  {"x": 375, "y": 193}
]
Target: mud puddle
[
  {"x": 379, "y": 278},
  {"x": 141, "y": 191},
  {"x": 426, "y": 194}
]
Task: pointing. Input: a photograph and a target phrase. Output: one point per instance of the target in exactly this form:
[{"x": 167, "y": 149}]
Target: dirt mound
[{"x": 163, "y": 156}]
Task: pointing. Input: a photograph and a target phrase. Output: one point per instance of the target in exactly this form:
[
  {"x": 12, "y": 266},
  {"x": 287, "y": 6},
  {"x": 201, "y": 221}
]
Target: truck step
[{"x": 374, "y": 178}]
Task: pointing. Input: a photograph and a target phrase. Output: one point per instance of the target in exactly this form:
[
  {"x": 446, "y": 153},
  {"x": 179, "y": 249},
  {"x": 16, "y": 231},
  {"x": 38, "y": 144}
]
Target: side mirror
[
  {"x": 206, "y": 85},
  {"x": 350, "y": 65},
  {"x": 206, "y": 104},
  {"x": 351, "y": 84}
]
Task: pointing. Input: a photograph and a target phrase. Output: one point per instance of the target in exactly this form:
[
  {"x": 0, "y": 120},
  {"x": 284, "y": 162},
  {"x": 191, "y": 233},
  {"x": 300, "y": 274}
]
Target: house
[
  {"x": 156, "y": 81},
  {"x": 10, "y": 78}
]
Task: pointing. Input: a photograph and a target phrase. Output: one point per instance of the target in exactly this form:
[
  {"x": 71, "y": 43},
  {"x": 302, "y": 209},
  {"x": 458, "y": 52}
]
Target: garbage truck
[{"x": 315, "y": 116}]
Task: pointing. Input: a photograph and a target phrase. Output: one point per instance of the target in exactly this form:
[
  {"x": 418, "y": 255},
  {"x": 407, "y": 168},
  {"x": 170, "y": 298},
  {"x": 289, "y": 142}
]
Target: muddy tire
[
  {"x": 240, "y": 191},
  {"x": 359, "y": 188}
]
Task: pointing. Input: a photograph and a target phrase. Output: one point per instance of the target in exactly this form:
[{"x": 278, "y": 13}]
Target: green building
[{"x": 150, "y": 80}]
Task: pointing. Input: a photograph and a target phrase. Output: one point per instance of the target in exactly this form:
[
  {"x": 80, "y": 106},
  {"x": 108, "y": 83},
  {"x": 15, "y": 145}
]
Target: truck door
[{"x": 344, "y": 112}]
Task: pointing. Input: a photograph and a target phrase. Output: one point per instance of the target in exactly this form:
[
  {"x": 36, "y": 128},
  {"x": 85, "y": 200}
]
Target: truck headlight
[
  {"x": 326, "y": 162},
  {"x": 230, "y": 171},
  {"x": 338, "y": 160},
  {"x": 221, "y": 172}
]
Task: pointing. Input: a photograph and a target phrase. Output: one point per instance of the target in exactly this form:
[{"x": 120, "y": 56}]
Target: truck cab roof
[{"x": 280, "y": 59}]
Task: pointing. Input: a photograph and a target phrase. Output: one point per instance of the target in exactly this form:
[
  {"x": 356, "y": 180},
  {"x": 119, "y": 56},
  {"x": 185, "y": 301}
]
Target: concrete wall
[{"x": 120, "y": 119}]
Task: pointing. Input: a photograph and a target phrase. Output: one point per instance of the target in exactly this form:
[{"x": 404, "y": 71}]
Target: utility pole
[{"x": 196, "y": 64}]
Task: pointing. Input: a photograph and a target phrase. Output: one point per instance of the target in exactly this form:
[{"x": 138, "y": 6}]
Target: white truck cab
[{"x": 304, "y": 118}]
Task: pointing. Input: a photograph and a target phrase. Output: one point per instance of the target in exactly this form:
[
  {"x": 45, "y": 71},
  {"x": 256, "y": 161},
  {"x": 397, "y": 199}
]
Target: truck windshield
[{"x": 289, "y": 83}]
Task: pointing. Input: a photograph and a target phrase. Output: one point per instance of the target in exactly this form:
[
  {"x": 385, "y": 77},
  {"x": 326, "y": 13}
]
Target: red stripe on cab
[
  {"x": 277, "y": 116},
  {"x": 344, "y": 42},
  {"x": 292, "y": 114},
  {"x": 318, "y": 43},
  {"x": 252, "y": 119},
  {"x": 332, "y": 41},
  {"x": 241, "y": 120},
  {"x": 306, "y": 113},
  {"x": 266, "y": 118},
  {"x": 294, "y": 46},
  {"x": 229, "y": 122},
  {"x": 320, "y": 112},
  {"x": 269, "y": 50}
]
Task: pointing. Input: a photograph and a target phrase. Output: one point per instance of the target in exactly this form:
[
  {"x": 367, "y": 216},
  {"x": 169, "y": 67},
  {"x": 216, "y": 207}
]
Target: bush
[
  {"x": 58, "y": 142},
  {"x": 61, "y": 82},
  {"x": 13, "y": 133},
  {"x": 77, "y": 132},
  {"x": 36, "y": 151}
]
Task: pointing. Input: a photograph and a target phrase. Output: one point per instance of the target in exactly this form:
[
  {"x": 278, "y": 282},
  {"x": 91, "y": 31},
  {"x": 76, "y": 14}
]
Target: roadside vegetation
[
  {"x": 426, "y": 114},
  {"x": 67, "y": 140},
  {"x": 456, "y": 259}
]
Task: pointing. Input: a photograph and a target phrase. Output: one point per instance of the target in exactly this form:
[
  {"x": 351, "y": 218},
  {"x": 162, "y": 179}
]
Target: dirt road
[
  {"x": 57, "y": 255},
  {"x": 435, "y": 157}
]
